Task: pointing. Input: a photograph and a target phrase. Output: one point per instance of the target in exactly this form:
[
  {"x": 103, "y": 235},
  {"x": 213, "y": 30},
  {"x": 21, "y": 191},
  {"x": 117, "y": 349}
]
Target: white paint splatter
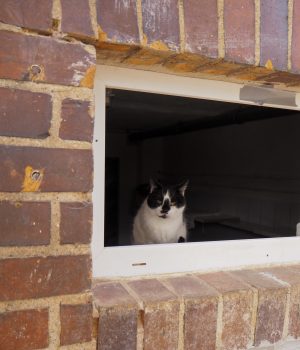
[
  {"x": 274, "y": 278},
  {"x": 49, "y": 275}
]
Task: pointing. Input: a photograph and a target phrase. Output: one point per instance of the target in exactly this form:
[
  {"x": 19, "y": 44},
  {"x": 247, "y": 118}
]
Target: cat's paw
[{"x": 181, "y": 239}]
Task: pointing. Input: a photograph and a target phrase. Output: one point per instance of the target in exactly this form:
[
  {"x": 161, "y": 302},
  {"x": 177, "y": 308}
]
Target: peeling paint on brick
[
  {"x": 161, "y": 22},
  {"x": 118, "y": 20},
  {"x": 88, "y": 79},
  {"x": 23, "y": 58},
  {"x": 274, "y": 33},
  {"x": 32, "y": 179}
]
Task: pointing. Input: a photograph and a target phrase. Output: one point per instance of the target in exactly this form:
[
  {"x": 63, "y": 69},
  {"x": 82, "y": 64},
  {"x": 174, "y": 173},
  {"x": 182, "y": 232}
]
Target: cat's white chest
[{"x": 150, "y": 228}]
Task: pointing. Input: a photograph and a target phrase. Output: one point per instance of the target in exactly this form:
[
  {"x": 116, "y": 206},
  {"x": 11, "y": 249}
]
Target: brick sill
[{"x": 245, "y": 309}]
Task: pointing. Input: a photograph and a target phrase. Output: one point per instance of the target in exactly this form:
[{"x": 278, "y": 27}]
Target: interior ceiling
[
  {"x": 140, "y": 112},
  {"x": 135, "y": 111}
]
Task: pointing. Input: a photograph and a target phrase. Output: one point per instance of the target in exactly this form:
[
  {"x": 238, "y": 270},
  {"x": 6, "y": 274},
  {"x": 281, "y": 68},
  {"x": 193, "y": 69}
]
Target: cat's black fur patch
[
  {"x": 155, "y": 198},
  {"x": 181, "y": 240}
]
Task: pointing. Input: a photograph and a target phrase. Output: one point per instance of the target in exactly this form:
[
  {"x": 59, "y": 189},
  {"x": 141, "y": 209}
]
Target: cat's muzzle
[{"x": 163, "y": 216}]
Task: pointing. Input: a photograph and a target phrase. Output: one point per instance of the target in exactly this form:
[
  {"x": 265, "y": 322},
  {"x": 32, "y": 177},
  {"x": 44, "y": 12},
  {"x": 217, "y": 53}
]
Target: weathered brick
[
  {"x": 61, "y": 170},
  {"x": 118, "y": 21},
  {"x": 224, "y": 282},
  {"x": 200, "y": 314},
  {"x": 76, "y": 120},
  {"x": 239, "y": 26},
  {"x": 274, "y": 33},
  {"x": 291, "y": 275},
  {"x": 76, "y": 222},
  {"x": 117, "y": 328},
  {"x": 161, "y": 23},
  {"x": 112, "y": 295},
  {"x": 201, "y": 26},
  {"x": 45, "y": 59},
  {"x": 237, "y": 309},
  {"x": 42, "y": 277},
  {"x": 185, "y": 62},
  {"x": 272, "y": 297},
  {"x": 24, "y": 113},
  {"x": 76, "y": 323},
  {"x": 237, "y": 317},
  {"x": 295, "y": 54},
  {"x": 24, "y": 330},
  {"x": 147, "y": 57},
  {"x": 24, "y": 223},
  {"x": 160, "y": 316},
  {"x": 76, "y": 18},
  {"x": 281, "y": 77},
  {"x": 118, "y": 317},
  {"x": 151, "y": 291},
  {"x": 33, "y": 14}
]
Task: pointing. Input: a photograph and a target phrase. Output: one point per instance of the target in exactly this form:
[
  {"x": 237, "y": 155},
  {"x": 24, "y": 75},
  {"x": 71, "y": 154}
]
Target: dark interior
[{"x": 242, "y": 162}]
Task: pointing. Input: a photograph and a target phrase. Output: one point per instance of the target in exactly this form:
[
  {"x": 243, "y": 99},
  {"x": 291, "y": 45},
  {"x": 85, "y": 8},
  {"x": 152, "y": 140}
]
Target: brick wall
[
  {"x": 250, "y": 309},
  {"x": 47, "y": 67},
  {"x": 251, "y": 31}
]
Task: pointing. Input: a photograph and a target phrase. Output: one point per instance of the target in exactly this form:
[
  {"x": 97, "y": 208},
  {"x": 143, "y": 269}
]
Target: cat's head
[{"x": 167, "y": 201}]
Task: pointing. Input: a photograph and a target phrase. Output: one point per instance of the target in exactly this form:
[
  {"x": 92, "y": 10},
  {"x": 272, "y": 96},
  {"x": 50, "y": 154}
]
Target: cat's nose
[
  {"x": 166, "y": 207},
  {"x": 164, "y": 210}
]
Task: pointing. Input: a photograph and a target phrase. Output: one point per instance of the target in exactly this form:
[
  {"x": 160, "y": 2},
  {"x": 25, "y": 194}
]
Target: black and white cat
[{"x": 160, "y": 218}]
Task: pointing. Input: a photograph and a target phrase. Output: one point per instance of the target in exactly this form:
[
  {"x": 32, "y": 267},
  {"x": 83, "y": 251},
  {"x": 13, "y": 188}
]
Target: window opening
[
  {"x": 242, "y": 163},
  {"x": 239, "y": 152}
]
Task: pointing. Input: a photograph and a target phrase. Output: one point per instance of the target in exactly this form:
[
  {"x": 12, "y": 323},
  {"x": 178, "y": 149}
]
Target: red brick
[
  {"x": 118, "y": 316},
  {"x": 76, "y": 222},
  {"x": 274, "y": 33},
  {"x": 76, "y": 18},
  {"x": 118, "y": 20},
  {"x": 36, "y": 111},
  {"x": 161, "y": 22},
  {"x": 42, "y": 277},
  {"x": 295, "y": 57},
  {"x": 24, "y": 223},
  {"x": 201, "y": 26},
  {"x": 45, "y": 59},
  {"x": 117, "y": 328},
  {"x": 200, "y": 314},
  {"x": 76, "y": 323},
  {"x": 151, "y": 291},
  {"x": 62, "y": 170},
  {"x": 160, "y": 316},
  {"x": 236, "y": 320},
  {"x": 161, "y": 326},
  {"x": 112, "y": 295},
  {"x": 239, "y": 26},
  {"x": 270, "y": 317},
  {"x": 77, "y": 122},
  {"x": 224, "y": 282},
  {"x": 272, "y": 297},
  {"x": 188, "y": 287},
  {"x": 291, "y": 275},
  {"x": 24, "y": 330},
  {"x": 33, "y": 14},
  {"x": 258, "y": 279},
  {"x": 237, "y": 309}
]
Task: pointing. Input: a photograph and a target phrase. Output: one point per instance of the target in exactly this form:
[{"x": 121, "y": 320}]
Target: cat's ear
[
  {"x": 182, "y": 187},
  {"x": 154, "y": 184}
]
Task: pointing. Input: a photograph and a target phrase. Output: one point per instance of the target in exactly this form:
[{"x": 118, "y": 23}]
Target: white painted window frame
[{"x": 171, "y": 258}]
